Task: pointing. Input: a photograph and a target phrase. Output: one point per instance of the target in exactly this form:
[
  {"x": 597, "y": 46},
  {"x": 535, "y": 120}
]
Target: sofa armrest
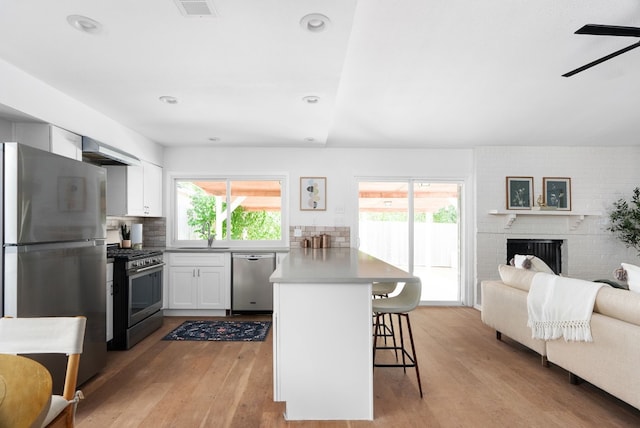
[{"x": 504, "y": 308}]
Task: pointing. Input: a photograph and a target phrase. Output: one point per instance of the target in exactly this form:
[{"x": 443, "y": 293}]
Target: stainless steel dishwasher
[{"x": 250, "y": 286}]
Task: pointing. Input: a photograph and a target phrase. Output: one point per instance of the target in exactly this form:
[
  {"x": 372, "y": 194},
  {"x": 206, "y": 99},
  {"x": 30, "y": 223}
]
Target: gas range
[{"x": 137, "y": 294}]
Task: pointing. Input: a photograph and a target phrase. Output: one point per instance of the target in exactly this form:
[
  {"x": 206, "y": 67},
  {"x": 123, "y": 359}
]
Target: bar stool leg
[
  {"x": 412, "y": 358},
  {"x": 404, "y": 363},
  {"x": 415, "y": 357},
  {"x": 384, "y": 330},
  {"x": 393, "y": 335},
  {"x": 376, "y": 331}
]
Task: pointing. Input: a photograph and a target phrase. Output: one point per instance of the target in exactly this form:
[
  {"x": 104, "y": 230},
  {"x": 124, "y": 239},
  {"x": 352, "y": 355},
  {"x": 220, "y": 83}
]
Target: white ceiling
[{"x": 407, "y": 73}]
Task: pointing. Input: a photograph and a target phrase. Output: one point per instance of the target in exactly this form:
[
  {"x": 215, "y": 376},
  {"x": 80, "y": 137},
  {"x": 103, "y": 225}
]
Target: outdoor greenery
[
  {"x": 202, "y": 213},
  {"x": 386, "y": 216},
  {"x": 245, "y": 225},
  {"x": 625, "y": 220},
  {"x": 446, "y": 215},
  {"x": 443, "y": 215}
]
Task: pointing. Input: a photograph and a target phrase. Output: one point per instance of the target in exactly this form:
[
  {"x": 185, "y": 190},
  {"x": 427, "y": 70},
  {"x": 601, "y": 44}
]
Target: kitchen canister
[
  {"x": 326, "y": 240},
  {"x": 136, "y": 234},
  {"x": 316, "y": 241}
]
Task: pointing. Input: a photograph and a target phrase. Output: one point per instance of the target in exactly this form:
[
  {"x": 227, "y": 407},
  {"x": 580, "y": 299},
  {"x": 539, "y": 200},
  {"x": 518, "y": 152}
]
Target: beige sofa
[{"x": 611, "y": 362}]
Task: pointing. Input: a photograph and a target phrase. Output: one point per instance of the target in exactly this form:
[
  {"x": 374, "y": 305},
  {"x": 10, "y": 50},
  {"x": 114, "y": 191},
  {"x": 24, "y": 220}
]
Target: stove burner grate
[{"x": 130, "y": 254}]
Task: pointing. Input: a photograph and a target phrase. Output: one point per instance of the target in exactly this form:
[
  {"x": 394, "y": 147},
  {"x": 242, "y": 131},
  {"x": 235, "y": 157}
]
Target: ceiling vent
[{"x": 196, "y": 8}]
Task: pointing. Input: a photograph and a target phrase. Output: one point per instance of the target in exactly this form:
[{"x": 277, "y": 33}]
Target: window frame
[{"x": 226, "y": 243}]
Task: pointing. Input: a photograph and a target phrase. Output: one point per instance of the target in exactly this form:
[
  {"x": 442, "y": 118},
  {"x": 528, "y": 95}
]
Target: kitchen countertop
[
  {"x": 336, "y": 265},
  {"x": 226, "y": 250}
]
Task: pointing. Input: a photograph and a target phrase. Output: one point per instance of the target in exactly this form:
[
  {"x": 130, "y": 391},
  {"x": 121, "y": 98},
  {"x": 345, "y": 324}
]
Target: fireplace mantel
[{"x": 575, "y": 217}]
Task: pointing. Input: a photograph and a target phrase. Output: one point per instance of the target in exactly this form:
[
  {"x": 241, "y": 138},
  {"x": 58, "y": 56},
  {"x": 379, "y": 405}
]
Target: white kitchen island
[{"x": 322, "y": 344}]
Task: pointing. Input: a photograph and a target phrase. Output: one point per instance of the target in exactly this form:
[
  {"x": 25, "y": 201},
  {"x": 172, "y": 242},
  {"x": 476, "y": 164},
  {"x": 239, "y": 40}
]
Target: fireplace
[{"x": 548, "y": 250}]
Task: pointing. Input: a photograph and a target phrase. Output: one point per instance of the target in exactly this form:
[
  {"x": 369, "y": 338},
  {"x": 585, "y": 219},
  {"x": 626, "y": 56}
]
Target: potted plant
[
  {"x": 625, "y": 220},
  {"x": 126, "y": 236}
]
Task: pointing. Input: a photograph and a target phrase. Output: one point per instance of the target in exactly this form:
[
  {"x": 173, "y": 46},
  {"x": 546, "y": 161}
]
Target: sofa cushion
[
  {"x": 517, "y": 278},
  {"x": 532, "y": 263},
  {"x": 613, "y": 283},
  {"x": 619, "y": 304},
  {"x": 633, "y": 276}
]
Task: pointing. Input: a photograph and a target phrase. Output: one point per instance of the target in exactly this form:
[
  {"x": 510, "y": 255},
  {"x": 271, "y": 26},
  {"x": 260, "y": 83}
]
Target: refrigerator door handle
[{"x": 22, "y": 248}]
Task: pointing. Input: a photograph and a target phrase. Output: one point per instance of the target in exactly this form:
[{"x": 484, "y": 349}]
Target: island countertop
[{"x": 335, "y": 265}]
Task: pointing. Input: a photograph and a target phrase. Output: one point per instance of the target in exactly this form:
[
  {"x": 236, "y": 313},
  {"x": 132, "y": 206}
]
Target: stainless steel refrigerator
[{"x": 53, "y": 253}]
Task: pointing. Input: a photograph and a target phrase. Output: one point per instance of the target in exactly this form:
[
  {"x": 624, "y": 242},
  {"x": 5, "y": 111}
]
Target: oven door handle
[{"x": 144, "y": 269}]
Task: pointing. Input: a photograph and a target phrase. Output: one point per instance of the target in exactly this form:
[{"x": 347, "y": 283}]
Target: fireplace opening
[{"x": 548, "y": 250}]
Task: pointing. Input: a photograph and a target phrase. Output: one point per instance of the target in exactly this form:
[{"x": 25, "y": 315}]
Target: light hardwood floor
[{"x": 469, "y": 379}]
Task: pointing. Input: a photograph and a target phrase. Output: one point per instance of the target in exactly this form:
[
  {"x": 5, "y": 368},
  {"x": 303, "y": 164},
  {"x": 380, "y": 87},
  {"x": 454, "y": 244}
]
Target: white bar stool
[
  {"x": 381, "y": 290},
  {"x": 400, "y": 305}
]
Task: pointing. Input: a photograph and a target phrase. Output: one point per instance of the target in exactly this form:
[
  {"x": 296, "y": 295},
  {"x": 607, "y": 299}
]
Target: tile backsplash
[
  {"x": 340, "y": 236},
  {"x": 154, "y": 229}
]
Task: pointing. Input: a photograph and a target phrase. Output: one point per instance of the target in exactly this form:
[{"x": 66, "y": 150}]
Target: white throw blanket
[{"x": 561, "y": 307}]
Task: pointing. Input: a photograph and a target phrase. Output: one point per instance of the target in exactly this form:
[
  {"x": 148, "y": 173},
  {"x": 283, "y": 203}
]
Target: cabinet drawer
[{"x": 199, "y": 259}]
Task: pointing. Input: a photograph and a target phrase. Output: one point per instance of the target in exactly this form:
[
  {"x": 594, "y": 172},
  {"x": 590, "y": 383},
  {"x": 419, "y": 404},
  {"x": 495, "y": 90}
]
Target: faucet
[{"x": 206, "y": 230}]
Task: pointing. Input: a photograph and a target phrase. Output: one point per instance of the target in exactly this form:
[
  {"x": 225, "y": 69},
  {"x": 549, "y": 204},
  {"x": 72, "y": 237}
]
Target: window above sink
[{"x": 233, "y": 211}]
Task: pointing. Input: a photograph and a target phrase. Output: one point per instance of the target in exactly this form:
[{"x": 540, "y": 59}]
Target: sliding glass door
[{"x": 414, "y": 225}]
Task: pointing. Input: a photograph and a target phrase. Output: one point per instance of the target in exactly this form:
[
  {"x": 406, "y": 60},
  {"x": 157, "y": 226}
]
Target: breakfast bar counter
[{"x": 322, "y": 346}]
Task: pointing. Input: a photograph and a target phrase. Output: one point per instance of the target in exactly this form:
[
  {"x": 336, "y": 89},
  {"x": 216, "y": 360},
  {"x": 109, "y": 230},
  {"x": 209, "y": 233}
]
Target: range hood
[{"x": 102, "y": 154}]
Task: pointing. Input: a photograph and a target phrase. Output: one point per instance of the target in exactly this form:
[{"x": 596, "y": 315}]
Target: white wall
[
  {"x": 29, "y": 95},
  {"x": 599, "y": 176},
  {"x": 341, "y": 167},
  {"x": 6, "y": 130}
]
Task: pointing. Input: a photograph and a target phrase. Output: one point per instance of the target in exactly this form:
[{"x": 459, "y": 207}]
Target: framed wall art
[
  {"x": 313, "y": 193},
  {"x": 557, "y": 192},
  {"x": 519, "y": 193}
]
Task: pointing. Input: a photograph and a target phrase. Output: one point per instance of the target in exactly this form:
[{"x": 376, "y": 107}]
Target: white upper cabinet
[
  {"x": 134, "y": 190},
  {"x": 66, "y": 143},
  {"x": 50, "y": 138},
  {"x": 152, "y": 189}
]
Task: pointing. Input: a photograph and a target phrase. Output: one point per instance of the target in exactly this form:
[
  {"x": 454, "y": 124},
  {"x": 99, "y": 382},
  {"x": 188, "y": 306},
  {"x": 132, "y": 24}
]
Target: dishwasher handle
[{"x": 253, "y": 257}]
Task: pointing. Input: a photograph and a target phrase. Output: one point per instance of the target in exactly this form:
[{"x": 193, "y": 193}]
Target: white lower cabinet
[
  {"x": 199, "y": 281},
  {"x": 342, "y": 381}
]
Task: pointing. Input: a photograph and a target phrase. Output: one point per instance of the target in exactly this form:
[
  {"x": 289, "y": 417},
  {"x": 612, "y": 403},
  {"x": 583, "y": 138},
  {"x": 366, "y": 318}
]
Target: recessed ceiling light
[
  {"x": 310, "y": 139},
  {"x": 214, "y": 139},
  {"x": 311, "y": 99},
  {"x": 168, "y": 99},
  {"x": 315, "y": 22},
  {"x": 84, "y": 24}
]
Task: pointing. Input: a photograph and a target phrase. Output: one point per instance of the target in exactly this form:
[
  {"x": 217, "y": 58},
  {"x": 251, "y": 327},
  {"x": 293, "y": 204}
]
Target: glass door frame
[{"x": 463, "y": 292}]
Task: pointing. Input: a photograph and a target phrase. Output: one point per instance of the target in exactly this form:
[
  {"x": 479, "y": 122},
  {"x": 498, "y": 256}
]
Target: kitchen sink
[{"x": 203, "y": 248}]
